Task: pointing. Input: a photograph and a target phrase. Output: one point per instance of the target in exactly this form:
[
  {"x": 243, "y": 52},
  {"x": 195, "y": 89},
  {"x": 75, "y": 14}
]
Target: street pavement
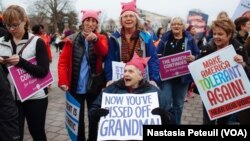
[{"x": 55, "y": 118}]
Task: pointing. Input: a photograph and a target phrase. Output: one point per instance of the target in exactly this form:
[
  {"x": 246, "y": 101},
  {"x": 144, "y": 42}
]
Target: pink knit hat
[
  {"x": 138, "y": 62},
  {"x": 130, "y": 6},
  {"x": 90, "y": 14}
]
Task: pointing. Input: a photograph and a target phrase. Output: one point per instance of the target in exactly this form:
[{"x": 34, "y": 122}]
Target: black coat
[
  {"x": 9, "y": 128},
  {"x": 3, "y": 32}
]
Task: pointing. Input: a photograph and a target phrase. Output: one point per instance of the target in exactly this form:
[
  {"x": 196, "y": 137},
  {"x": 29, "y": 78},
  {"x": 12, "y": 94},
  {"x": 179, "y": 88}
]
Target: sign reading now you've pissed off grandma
[
  {"x": 222, "y": 83},
  {"x": 127, "y": 115}
]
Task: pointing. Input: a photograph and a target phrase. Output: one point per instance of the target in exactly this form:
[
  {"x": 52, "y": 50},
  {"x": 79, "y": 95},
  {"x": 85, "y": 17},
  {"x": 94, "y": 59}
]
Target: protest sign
[
  {"x": 118, "y": 70},
  {"x": 175, "y": 65},
  {"x": 242, "y": 8},
  {"x": 222, "y": 83},
  {"x": 72, "y": 111},
  {"x": 26, "y": 84},
  {"x": 127, "y": 115}
]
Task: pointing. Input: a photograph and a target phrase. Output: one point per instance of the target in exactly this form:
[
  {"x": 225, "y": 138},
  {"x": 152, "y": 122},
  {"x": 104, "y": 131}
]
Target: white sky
[{"x": 165, "y": 7}]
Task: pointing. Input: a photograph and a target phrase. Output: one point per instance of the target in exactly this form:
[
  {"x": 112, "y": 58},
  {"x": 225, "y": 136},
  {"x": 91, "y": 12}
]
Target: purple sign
[
  {"x": 175, "y": 65},
  {"x": 27, "y": 85}
]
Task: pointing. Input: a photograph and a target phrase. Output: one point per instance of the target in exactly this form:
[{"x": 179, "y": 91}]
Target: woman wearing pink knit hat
[
  {"x": 133, "y": 83},
  {"x": 81, "y": 58},
  {"x": 129, "y": 40}
]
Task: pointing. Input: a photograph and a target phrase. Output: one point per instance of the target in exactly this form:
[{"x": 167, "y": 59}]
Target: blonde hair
[
  {"x": 13, "y": 13},
  {"x": 177, "y": 19},
  {"x": 219, "y": 16}
]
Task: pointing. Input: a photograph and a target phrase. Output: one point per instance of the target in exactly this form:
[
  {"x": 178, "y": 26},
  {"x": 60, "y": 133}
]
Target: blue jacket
[
  {"x": 189, "y": 43},
  {"x": 148, "y": 48}
]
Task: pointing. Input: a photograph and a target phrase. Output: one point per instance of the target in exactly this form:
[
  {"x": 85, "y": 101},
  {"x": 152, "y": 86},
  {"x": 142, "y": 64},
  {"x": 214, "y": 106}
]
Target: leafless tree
[{"x": 55, "y": 10}]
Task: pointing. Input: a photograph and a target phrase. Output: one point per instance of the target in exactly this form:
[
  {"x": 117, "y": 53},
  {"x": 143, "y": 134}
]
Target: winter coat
[
  {"x": 189, "y": 44},
  {"x": 67, "y": 59},
  {"x": 36, "y": 48},
  {"x": 147, "y": 46},
  {"x": 9, "y": 127}
]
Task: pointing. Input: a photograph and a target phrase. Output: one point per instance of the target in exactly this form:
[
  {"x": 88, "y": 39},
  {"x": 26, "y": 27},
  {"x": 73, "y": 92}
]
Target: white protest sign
[
  {"x": 117, "y": 70},
  {"x": 242, "y": 8},
  {"x": 222, "y": 83},
  {"x": 127, "y": 115}
]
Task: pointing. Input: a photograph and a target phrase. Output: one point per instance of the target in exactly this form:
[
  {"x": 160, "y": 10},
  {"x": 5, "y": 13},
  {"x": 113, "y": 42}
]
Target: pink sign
[
  {"x": 27, "y": 85},
  {"x": 175, "y": 65}
]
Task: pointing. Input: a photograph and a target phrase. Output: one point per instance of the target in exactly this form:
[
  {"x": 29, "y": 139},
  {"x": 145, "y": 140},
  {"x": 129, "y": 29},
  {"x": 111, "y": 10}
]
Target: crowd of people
[{"x": 88, "y": 53}]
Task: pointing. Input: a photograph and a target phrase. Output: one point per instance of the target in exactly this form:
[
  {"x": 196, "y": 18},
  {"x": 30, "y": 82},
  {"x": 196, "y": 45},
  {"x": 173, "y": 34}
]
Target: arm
[
  {"x": 101, "y": 46},
  {"x": 160, "y": 47},
  {"x": 42, "y": 68},
  {"x": 153, "y": 64},
  {"x": 108, "y": 61},
  {"x": 64, "y": 64},
  {"x": 96, "y": 111}
]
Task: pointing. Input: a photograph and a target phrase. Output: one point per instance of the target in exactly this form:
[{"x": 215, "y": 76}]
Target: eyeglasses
[
  {"x": 13, "y": 26},
  {"x": 176, "y": 24},
  {"x": 128, "y": 16}
]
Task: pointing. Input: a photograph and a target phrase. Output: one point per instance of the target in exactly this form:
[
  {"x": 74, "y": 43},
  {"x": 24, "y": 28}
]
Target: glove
[
  {"x": 98, "y": 113},
  {"x": 167, "y": 118}
]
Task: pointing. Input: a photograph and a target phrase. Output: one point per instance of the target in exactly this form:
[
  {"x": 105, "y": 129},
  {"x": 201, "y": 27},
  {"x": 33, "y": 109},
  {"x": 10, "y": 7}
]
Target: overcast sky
[{"x": 165, "y": 7}]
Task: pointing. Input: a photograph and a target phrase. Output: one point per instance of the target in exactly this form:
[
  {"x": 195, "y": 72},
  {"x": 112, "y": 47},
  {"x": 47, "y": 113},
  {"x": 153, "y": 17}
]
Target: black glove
[
  {"x": 167, "y": 118},
  {"x": 99, "y": 113}
]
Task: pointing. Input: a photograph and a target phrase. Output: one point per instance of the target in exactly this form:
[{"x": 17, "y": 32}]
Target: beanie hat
[
  {"x": 90, "y": 14},
  {"x": 130, "y": 6},
  {"x": 138, "y": 62}
]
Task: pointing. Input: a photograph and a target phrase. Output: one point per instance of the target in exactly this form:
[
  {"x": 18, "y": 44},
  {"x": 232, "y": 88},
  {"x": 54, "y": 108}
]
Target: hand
[
  {"x": 2, "y": 60},
  {"x": 91, "y": 37},
  {"x": 99, "y": 113},
  {"x": 64, "y": 87},
  {"x": 13, "y": 60},
  {"x": 239, "y": 59},
  {"x": 167, "y": 118},
  {"x": 190, "y": 58},
  {"x": 109, "y": 83}
]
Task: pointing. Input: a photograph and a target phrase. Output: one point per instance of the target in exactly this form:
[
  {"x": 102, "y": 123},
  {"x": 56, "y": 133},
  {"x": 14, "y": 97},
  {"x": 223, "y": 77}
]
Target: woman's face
[
  {"x": 246, "y": 27},
  {"x": 161, "y": 32},
  {"x": 89, "y": 25},
  {"x": 16, "y": 28},
  {"x": 177, "y": 26},
  {"x": 221, "y": 39},
  {"x": 193, "y": 31},
  {"x": 128, "y": 20}
]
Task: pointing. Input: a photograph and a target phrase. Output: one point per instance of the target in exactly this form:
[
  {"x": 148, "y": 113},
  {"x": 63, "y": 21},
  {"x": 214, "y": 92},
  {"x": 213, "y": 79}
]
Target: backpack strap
[{"x": 21, "y": 51}]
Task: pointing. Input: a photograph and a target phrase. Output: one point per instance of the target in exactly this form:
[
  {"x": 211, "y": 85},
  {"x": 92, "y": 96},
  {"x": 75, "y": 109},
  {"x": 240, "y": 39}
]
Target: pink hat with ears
[
  {"x": 90, "y": 14},
  {"x": 138, "y": 62},
  {"x": 130, "y": 6}
]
